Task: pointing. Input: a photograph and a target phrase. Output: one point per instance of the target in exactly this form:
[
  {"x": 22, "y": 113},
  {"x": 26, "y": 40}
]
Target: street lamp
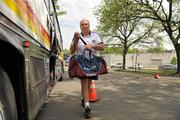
[{"x": 136, "y": 61}]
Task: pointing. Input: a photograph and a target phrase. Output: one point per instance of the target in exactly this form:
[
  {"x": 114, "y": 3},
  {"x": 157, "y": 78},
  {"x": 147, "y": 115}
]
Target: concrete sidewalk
[{"x": 124, "y": 96}]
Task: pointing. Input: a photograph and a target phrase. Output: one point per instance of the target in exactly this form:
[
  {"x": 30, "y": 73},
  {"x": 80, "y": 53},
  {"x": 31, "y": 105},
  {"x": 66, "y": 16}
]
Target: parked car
[
  {"x": 168, "y": 67},
  {"x": 117, "y": 65},
  {"x": 136, "y": 66}
]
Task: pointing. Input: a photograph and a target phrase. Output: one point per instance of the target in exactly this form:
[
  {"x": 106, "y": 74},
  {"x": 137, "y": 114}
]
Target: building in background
[{"x": 147, "y": 60}]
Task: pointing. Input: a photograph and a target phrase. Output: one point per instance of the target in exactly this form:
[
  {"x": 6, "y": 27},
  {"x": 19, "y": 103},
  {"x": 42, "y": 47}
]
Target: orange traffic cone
[
  {"x": 92, "y": 92},
  {"x": 157, "y": 76}
]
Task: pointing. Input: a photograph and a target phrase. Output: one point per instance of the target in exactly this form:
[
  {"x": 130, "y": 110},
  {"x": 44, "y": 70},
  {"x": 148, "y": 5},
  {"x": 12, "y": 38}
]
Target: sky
[{"x": 76, "y": 10}]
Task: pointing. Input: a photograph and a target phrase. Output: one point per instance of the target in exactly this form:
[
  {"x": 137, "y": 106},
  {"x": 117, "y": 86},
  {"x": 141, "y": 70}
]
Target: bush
[{"x": 174, "y": 61}]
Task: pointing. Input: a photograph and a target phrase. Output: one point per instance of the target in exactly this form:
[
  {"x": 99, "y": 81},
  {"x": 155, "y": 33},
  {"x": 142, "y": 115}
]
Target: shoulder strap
[{"x": 83, "y": 41}]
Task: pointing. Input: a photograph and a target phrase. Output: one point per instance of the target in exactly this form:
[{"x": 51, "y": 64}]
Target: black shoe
[
  {"x": 87, "y": 112},
  {"x": 82, "y": 103}
]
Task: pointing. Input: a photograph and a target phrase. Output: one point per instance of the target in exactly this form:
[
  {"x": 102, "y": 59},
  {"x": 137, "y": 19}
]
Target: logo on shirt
[{"x": 93, "y": 41}]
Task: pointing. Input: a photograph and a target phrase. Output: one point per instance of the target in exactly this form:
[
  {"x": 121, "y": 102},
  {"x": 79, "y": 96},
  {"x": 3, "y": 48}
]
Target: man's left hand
[{"x": 88, "y": 46}]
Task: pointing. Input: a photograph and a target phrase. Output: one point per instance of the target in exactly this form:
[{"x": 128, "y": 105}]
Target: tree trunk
[
  {"x": 124, "y": 57},
  {"x": 124, "y": 61},
  {"x": 177, "y": 48}
]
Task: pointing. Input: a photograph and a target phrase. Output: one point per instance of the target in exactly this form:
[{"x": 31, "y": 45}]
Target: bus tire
[{"x": 8, "y": 109}]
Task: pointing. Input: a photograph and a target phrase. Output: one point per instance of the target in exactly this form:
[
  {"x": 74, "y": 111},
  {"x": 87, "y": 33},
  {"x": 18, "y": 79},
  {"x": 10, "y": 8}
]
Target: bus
[{"x": 31, "y": 57}]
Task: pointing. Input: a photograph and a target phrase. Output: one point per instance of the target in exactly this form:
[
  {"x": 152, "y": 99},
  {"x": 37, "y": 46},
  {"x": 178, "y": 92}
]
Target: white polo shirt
[{"x": 93, "y": 38}]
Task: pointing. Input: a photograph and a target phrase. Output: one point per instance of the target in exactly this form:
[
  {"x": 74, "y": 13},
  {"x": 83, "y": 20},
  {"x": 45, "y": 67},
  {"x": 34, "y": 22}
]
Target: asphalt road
[{"x": 124, "y": 96}]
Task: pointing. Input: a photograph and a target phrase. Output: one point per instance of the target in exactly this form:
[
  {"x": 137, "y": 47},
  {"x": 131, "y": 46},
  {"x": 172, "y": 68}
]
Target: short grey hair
[{"x": 84, "y": 19}]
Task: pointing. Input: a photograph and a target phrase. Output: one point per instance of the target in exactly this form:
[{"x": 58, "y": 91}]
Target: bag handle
[
  {"x": 83, "y": 41},
  {"x": 90, "y": 51},
  {"x": 75, "y": 43}
]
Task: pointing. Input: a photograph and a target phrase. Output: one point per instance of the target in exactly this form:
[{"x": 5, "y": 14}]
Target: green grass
[{"x": 152, "y": 72}]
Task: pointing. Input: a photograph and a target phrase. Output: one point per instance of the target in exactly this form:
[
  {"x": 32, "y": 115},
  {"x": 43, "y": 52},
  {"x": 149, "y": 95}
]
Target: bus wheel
[{"x": 8, "y": 110}]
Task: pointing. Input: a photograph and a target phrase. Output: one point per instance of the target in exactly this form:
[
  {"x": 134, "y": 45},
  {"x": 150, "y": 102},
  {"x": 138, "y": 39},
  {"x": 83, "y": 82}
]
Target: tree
[
  {"x": 114, "y": 22},
  {"x": 66, "y": 52},
  {"x": 156, "y": 50},
  {"x": 58, "y": 10},
  {"x": 167, "y": 14},
  {"x": 174, "y": 61},
  {"x": 112, "y": 50}
]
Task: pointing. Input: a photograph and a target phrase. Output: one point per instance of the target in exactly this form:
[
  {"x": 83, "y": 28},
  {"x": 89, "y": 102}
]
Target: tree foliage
[
  {"x": 167, "y": 14},
  {"x": 66, "y": 52},
  {"x": 119, "y": 15},
  {"x": 117, "y": 25},
  {"x": 174, "y": 61},
  {"x": 58, "y": 8},
  {"x": 156, "y": 50},
  {"x": 112, "y": 50},
  {"x": 119, "y": 50}
]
